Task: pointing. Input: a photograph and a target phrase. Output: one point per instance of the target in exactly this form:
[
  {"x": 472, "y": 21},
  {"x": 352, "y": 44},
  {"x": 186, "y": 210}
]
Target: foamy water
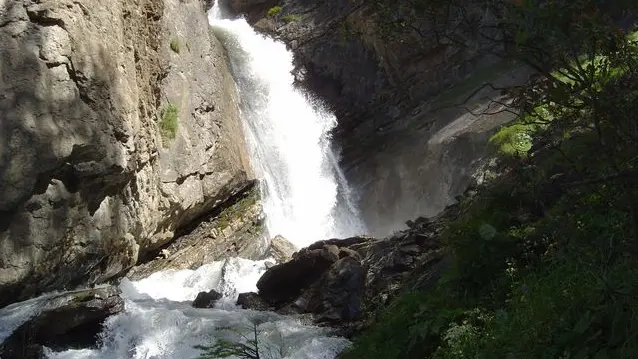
[
  {"x": 160, "y": 323},
  {"x": 305, "y": 196}
]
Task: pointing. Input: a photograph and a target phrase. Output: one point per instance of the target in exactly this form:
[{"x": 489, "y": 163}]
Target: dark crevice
[
  {"x": 200, "y": 175},
  {"x": 38, "y": 17},
  {"x": 79, "y": 80}
]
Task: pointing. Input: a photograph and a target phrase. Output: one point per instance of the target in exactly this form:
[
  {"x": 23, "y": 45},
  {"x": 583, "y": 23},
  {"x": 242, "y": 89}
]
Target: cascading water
[
  {"x": 305, "y": 199},
  {"x": 160, "y": 323},
  {"x": 305, "y": 196}
]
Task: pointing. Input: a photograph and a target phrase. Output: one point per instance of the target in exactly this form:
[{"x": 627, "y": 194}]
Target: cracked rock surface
[{"x": 87, "y": 183}]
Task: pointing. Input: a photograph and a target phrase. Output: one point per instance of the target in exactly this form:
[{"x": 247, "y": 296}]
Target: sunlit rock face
[{"x": 87, "y": 180}]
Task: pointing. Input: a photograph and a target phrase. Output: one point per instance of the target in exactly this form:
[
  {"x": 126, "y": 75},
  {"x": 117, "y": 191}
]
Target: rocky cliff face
[
  {"x": 88, "y": 181},
  {"x": 404, "y": 145}
]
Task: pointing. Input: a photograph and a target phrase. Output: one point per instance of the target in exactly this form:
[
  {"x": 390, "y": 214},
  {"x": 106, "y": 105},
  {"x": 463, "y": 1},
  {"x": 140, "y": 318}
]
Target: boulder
[
  {"x": 206, "y": 299},
  {"x": 337, "y": 296},
  {"x": 342, "y": 282},
  {"x": 253, "y": 301},
  {"x": 286, "y": 281},
  {"x": 70, "y": 320},
  {"x": 281, "y": 249}
]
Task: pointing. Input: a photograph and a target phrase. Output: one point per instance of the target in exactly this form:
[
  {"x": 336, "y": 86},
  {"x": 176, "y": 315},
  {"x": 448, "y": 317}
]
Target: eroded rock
[
  {"x": 286, "y": 281},
  {"x": 233, "y": 232},
  {"x": 337, "y": 296},
  {"x": 342, "y": 282},
  {"x": 71, "y": 320}
]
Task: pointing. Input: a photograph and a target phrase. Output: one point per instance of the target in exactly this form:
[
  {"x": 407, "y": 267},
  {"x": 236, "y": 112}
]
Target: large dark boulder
[
  {"x": 326, "y": 279},
  {"x": 70, "y": 320},
  {"x": 286, "y": 281},
  {"x": 342, "y": 283},
  {"x": 337, "y": 296},
  {"x": 206, "y": 299}
]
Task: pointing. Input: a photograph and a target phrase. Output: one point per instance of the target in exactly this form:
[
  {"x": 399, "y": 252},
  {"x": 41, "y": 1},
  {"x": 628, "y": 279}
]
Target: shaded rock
[
  {"x": 346, "y": 242},
  {"x": 337, "y": 296},
  {"x": 342, "y": 283},
  {"x": 206, "y": 299},
  {"x": 281, "y": 249},
  {"x": 253, "y": 301},
  {"x": 286, "y": 281},
  {"x": 88, "y": 183},
  {"x": 71, "y": 320}
]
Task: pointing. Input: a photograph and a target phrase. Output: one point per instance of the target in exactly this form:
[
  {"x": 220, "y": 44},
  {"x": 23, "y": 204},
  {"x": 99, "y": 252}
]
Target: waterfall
[{"x": 305, "y": 196}]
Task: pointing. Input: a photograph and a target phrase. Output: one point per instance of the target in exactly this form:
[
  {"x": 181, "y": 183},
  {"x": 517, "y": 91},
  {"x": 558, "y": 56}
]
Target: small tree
[{"x": 247, "y": 346}]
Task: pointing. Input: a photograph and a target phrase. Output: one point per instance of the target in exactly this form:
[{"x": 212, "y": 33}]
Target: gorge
[{"x": 316, "y": 179}]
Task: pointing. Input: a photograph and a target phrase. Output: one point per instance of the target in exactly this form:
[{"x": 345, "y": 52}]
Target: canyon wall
[{"x": 119, "y": 126}]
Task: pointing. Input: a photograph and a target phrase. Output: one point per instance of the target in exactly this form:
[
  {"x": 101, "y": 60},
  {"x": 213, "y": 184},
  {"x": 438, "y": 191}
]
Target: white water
[
  {"x": 159, "y": 322},
  {"x": 305, "y": 196}
]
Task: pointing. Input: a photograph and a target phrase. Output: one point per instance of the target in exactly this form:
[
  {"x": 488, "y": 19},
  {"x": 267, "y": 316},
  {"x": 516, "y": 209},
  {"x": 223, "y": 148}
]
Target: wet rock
[
  {"x": 71, "y": 320},
  {"x": 286, "y": 281},
  {"x": 206, "y": 299},
  {"x": 281, "y": 249},
  {"x": 253, "y": 301},
  {"x": 341, "y": 283},
  {"x": 337, "y": 296}
]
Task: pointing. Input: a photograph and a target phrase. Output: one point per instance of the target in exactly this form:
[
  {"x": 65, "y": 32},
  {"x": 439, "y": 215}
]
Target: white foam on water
[{"x": 160, "y": 323}]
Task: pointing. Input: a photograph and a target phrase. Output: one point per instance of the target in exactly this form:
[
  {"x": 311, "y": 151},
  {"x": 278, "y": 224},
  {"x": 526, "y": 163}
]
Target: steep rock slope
[
  {"x": 394, "y": 84},
  {"x": 87, "y": 181}
]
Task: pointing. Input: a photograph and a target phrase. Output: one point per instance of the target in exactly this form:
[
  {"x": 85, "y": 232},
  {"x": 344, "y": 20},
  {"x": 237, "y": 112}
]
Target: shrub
[
  {"x": 168, "y": 122},
  {"x": 291, "y": 17},
  {"x": 175, "y": 45},
  {"x": 274, "y": 11}
]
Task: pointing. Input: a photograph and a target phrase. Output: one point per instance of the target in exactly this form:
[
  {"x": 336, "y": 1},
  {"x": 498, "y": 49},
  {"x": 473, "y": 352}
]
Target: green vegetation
[
  {"x": 242, "y": 343},
  {"x": 292, "y": 17},
  {"x": 545, "y": 258},
  {"x": 228, "y": 215},
  {"x": 274, "y": 11},
  {"x": 169, "y": 122},
  {"x": 175, "y": 45}
]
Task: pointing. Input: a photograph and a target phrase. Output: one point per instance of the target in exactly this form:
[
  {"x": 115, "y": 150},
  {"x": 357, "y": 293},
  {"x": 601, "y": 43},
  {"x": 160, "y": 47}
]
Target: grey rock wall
[{"x": 87, "y": 184}]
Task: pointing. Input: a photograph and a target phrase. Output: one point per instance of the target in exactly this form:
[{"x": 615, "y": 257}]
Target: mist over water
[{"x": 305, "y": 196}]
